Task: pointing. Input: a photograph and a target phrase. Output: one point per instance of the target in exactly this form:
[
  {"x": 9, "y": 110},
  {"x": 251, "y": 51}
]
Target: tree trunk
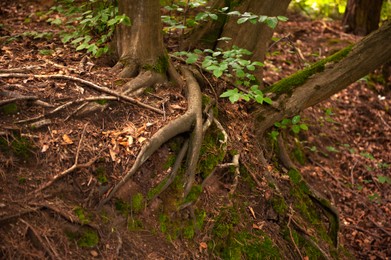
[
  {"x": 141, "y": 44},
  {"x": 362, "y": 16},
  {"x": 336, "y": 74},
  {"x": 253, "y": 37}
]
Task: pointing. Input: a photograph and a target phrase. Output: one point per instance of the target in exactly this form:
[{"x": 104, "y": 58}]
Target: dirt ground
[{"x": 346, "y": 152}]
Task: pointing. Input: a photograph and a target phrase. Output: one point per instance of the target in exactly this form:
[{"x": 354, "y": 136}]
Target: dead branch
[
  {"x": 84, "y": 82},
  {"x": 12, "y": 100}
]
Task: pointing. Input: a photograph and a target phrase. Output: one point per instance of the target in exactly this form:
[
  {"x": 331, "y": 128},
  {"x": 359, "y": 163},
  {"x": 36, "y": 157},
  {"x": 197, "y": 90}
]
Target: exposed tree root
[
  {"x": 180, "y": 125},
  {"x": 85, "y": 82},
  {"x": 143, "y": 80},
  {"x": 329, "y": 210}
]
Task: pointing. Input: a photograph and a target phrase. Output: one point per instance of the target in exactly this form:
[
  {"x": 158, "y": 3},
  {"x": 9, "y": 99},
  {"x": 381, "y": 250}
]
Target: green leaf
[
  {"x": 282, "y": 18},
  {"x": 271, "y": 22},
  {"x": 262, "y": 18},
  {"x": 296, "y": 119},
  {"x": 229, "y": 92},
  {"x": 234, "y": 13},
  {"x": 218, "y": 72},
  {"x": 285, "y": 121},
  {"x": 296, "y": 129},
  {"x": 192, "y": 58},
  {"x": 259, "y": 99},
  {"x": 332, "y": 149},
  {"x": 213, "y": 16},
  {"x": 240, "y": 73},
  {"x": 250, "y": 67},
  {"x": 267, "y": 100},
  {"x": 242, "y": 20},
  {"x": 383, "y": 179},
  {"x": 304, "y": 127}
]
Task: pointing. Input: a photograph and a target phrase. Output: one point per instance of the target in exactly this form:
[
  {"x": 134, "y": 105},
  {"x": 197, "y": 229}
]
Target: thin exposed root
[
  {"x": 175, "y": 169},
  {"x": 85, "y": 82},
  {"x": 180, "y": 125}
]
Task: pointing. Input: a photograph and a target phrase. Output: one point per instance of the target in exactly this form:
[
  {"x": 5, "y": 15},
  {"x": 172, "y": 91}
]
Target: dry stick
[
  {"x": 75, "y": 166},
  {"x": 65, "y": 105},
  {"x": 85, "y": 82},
  {"x": 11, "y": 100}
]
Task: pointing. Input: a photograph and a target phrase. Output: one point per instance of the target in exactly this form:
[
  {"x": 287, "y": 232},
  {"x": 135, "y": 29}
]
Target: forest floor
[{"x": 346, "y": 152}]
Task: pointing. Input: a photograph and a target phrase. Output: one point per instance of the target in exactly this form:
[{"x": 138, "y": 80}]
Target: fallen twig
[
  {"x": 85, "y": 82},
  {"x": 75, "y": 166}
]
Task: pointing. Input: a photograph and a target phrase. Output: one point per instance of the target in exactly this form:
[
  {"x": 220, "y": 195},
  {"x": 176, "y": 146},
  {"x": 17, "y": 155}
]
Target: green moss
[
  {"x": 100, "y": 174},
  {"x": 22, "y": 147},
  {"x": 134, "y": 224},
  {"x": 161, "y": 65},
  {"x": 279, "y": 205},
  {"x": 157, "y": 189},
  {"x": 137, "y": 203},
  {"x": 101, "y": 102},
  {"x": 299, "y": 155},
  {"x": 10, "y": 109},
  {"x": 212, "y": 153},
  {"x": 303, "y": 244},
  {"x": 81, "y": 215},
  {"x": 169, "y": 162},
  {"x": 88, "y": 239},
  {"x": 85, "y": 238},
  {"x": 122, "y": 206},
  {"x": 194, "y": 193},
  {"x": 287, "y": 84}
]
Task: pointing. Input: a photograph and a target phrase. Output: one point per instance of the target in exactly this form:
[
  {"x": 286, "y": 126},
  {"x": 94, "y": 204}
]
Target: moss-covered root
[{"x": 329, "y": 210}]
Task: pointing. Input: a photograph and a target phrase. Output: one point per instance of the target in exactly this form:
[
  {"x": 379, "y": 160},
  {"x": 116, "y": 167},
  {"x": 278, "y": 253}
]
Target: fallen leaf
[
  {"x": 252, "y": 211},
  {"x": 45, "y": 147},
  {"x": 141, "y": 139},
  {"x": 203, "y": 246},
  {"x": 113, "y": 154},
  {"x": 67, "y": 139}
]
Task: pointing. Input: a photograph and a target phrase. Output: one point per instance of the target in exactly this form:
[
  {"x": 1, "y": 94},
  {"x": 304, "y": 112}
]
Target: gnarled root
[{"x": 180, "y": 125}]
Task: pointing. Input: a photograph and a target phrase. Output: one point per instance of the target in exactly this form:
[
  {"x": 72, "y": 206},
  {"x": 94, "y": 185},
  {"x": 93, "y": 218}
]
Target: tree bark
[
  {"x": 367, "y": 55},
  {"x": 141, "y": 44},
  {"x": 362, "y": 16}
]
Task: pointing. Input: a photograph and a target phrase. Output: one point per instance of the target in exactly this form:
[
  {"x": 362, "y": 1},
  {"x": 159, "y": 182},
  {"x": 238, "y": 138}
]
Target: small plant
[
  {"x": 90, "y": 25},
  {"x": 293, "y": 124}
]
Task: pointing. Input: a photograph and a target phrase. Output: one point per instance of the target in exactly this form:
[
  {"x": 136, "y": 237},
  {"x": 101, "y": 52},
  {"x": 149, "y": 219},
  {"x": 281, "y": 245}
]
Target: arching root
[{"x": 180, "y": 125}]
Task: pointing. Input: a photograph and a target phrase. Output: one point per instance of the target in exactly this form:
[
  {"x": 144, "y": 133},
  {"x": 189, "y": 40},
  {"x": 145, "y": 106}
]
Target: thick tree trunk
[
  {"x": 253, "y": 37},
  {"x": 367, "y": 55},
  {"x": 141, "y": 44},
  {"x": 362, "y": 16}
]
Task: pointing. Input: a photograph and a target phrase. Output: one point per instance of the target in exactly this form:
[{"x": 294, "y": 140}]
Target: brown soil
[{"x": 346, "y": 150}]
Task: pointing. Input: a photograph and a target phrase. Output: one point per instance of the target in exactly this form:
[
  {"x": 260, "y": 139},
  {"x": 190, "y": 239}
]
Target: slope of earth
[{"x": 345, "y": 154}]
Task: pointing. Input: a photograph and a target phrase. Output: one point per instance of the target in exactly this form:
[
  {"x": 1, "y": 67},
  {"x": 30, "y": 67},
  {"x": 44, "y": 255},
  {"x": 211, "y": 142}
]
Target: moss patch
[
  {"x": 10, "y": 109},
  {"x": 85, "y": 238},
  {"x": 287, "y": 85},
  {"x": 231, "y": 241},
  {"x": 138, "y": 203}
]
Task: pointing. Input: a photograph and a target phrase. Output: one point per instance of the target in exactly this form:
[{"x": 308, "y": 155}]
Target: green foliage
[
  {"x": 90, "y": 25},
  {"x": 79, "y": 212},
  {"x": 289, "y": 123},
  {"x": 270, "y": 21},
  {"x": 230, "y": 63},
  {"x": 10, "y": 109}
]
